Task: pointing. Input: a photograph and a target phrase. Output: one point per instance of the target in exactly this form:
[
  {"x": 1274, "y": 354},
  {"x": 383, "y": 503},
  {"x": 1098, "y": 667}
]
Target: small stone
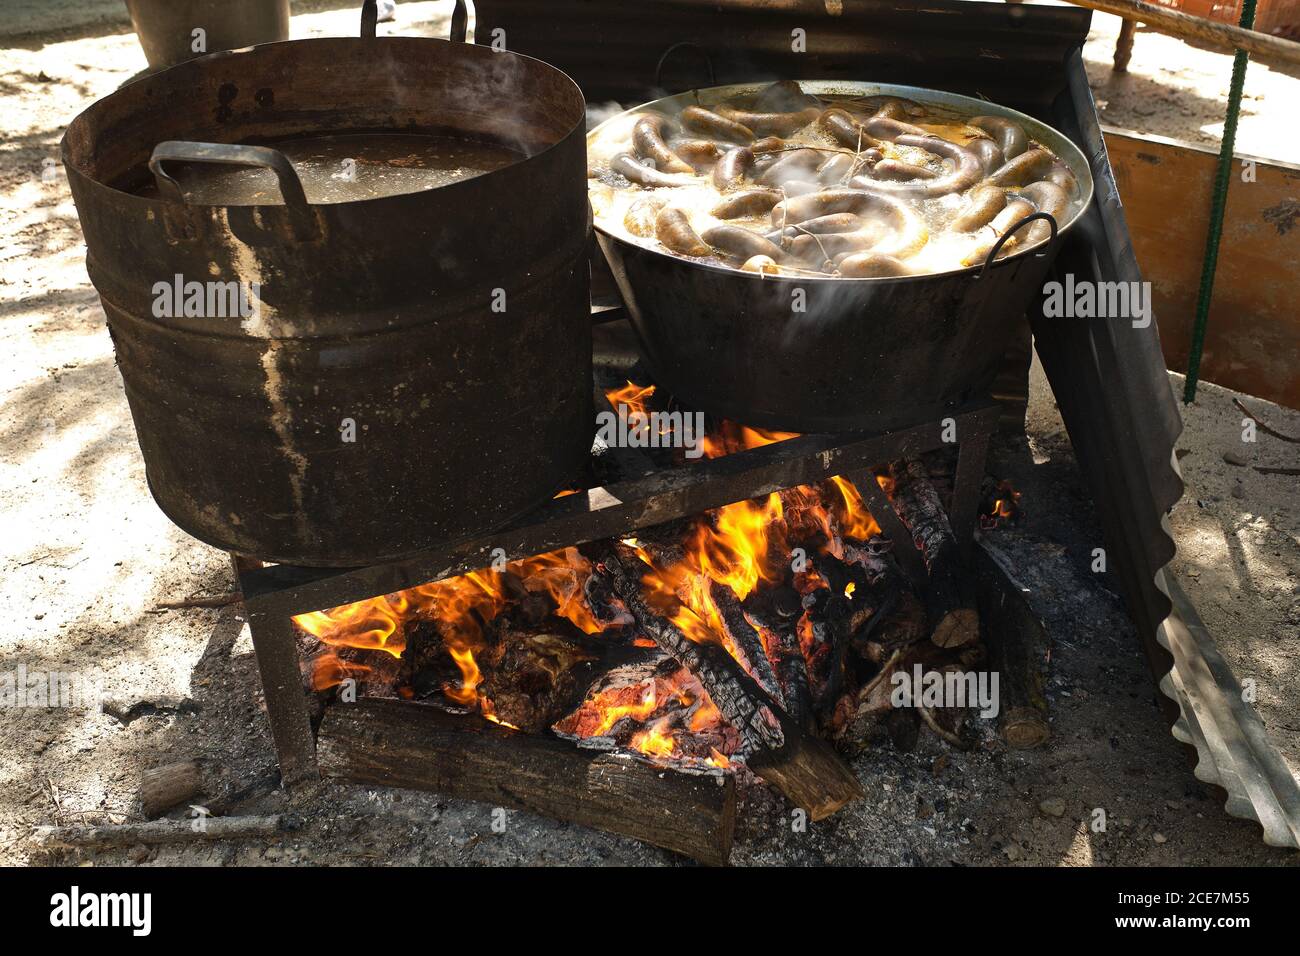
[
  {"x": 1012, "y": 852},
  {"x": 1234, "y": 458},
  {"x": 1160, "y": 838},
  {"x": 273, "y": 853},
  {"x": 1238, "y": 490},
  {"x": 138, "y": 853},
  {"x": 1052, "y": 806}
]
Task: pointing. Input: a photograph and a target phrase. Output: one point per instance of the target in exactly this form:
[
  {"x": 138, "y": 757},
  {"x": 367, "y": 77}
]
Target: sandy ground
[
  {"x": 1175, "y": 90},
  {"x": 1238, "y": 533},
  {"x": 86, "y": 558}
]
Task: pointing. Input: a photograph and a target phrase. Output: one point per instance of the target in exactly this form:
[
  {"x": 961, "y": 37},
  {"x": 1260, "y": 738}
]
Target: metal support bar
[
  {"x": 964, "y": 510},
  {"x": 1217, "y": 205},
  {"x": 276, "y": 649}
]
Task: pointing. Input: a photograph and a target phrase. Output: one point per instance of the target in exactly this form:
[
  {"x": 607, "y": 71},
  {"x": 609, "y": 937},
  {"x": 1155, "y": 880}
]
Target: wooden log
[
  {"x": 953, "y": 618},
  {"x": 162, "y": 788},
  {"x": 399, "y": 744},
  {"x": 1019, "y": 648},
  {"x": 163, "y": 831},
  {"x": 806, "y": 771}
]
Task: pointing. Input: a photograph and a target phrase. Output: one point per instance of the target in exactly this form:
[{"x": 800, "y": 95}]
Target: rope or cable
[{"x": 1217, "y": 205}]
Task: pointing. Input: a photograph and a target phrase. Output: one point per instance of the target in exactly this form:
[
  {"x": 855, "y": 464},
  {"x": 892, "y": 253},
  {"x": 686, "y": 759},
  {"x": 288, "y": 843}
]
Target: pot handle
[
  {"x": 684, "y": 44},
  {"x": 304, "y": 222},
  {"x": 997, "y": 246},
  {"x": 370, "y": 21}
]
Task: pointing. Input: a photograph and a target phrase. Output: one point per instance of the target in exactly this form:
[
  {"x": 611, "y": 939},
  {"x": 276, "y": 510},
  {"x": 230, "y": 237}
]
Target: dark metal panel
[
  {"x": 606, "y": 512},
  {"x": 1006, "y": 52}
]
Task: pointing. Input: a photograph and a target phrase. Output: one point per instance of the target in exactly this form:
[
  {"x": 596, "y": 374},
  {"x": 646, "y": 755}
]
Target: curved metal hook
[
  {"x": 1002, "y": 239},
  {"x": 708, "y": 62}
]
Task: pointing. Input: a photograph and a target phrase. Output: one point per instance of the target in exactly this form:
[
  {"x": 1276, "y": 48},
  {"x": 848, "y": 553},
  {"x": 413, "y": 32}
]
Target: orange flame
[
  {"x": 632, "y": 402},
  {"x": 330, "y": 670},
  {"x": 654, "y": 741},
  {"x": 731, "y": 437},
  {"x": 458, "y": 605},
  {"x": 854, "y": 518}
]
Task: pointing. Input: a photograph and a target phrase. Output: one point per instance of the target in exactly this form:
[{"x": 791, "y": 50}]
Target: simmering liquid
[{"x": 345, "y": 168}]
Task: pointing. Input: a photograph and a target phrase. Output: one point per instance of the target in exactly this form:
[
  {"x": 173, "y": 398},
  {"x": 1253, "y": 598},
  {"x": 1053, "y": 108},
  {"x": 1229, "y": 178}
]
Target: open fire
[{"x": 798, "y": 586}]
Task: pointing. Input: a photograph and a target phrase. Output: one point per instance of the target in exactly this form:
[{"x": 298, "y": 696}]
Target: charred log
[
  {"x": 777, "y": 612},
  {"x": 1019, "y": 648},
  {"x": 952, "y": 616},
  {"x": 747, "y": 641}
]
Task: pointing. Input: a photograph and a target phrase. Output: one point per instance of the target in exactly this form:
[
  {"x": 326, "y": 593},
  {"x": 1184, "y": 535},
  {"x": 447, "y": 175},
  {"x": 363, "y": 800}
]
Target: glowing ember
[{"x": 1005, "y": 507}]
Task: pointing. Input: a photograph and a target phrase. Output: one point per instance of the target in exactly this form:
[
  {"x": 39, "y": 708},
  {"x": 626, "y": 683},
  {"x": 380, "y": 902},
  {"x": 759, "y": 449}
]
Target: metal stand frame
[{"x": 273, "y": 594}]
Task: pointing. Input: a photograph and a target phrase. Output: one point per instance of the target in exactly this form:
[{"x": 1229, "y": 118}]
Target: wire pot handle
[
  {"x": 301, "y": 218},
  {"x": 684, "y": 44},
  {"x": 370, "y": 21},
  {"x": 1002, "y": 239}
]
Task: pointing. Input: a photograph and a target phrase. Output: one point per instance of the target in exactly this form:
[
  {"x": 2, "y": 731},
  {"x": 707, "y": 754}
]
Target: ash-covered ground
[{"x": 87, "y": 559}]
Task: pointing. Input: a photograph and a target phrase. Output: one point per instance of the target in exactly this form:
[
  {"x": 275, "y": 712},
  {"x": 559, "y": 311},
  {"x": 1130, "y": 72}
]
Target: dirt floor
[{"x": 86, "y": 559}]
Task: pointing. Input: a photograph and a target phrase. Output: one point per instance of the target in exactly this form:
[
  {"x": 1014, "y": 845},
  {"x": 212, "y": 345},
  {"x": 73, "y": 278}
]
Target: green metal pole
[{"x": 1217, "y": 205}]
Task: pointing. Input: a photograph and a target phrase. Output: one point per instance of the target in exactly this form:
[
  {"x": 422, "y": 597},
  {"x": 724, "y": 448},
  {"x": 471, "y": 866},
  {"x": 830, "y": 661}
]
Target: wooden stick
[
  {"x": 162, "y": 831},
  {"x": 215, "y": 600},
  {"x": 399, "y": 744},
  {"x": 1263, "y": 425},
  {"x": 778, "y": 749},
  {"x": 1221, "y": 36}
]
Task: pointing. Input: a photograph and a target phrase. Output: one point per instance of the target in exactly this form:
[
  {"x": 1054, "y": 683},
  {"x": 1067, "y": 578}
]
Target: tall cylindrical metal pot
[
  {"x": 418, "y": 366},
  {"x": 172, "y": 31}
]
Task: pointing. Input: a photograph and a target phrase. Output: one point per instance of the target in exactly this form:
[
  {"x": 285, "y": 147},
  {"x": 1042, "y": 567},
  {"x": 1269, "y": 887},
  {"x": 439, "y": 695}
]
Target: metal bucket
[
  {"x": 172, "y": 31},
  {"x": 418, "y": 366}
]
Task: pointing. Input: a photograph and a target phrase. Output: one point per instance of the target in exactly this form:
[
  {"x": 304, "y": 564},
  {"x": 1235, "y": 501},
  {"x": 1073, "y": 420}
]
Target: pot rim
[
  {"x": 213, "y": 60},
  {"x": 1060, "y": 144}
]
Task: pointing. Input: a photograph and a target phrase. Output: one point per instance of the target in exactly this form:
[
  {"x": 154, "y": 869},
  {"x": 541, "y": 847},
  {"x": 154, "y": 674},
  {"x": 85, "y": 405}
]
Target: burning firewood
[
  {"x": 777, "y": 612},
  {"x": 656, "y": 707},
  {"x": 745, "y": 639},
  {"x": 803, "y": 768},
  {"x": 953, "y": 619}
]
